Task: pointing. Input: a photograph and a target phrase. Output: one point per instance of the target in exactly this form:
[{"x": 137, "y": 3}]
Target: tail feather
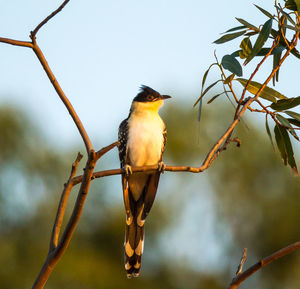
[
  {"x": 136, "y": 213},
  {"x": 134, "y": 244}
]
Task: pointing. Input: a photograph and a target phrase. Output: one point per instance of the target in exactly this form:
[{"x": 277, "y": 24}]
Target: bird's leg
[
  {"x": 127, "y": 170},
  {"x": 161, "y": 167}
]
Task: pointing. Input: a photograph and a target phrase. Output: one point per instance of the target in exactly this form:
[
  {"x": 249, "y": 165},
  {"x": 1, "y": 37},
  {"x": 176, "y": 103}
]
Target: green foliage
[
  {"x": 229, "y": 37},
  {"x": 248, "y": 51},
  {"x": 264, "y": 11},
  {"x": 285, "y": 147},
  {"x": 286, "y": 103},
  {"x": 231, "y": 64},
  {"x": 261, "y": 40},
  {"x": 267, "y": 93}
]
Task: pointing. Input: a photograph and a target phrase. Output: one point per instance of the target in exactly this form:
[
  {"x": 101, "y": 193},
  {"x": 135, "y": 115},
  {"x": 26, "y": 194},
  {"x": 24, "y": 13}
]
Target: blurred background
[{"x": 101, "y": 52}]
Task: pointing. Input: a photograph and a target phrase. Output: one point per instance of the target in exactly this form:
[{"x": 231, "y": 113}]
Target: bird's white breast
[{"x": 145, "y": 138}]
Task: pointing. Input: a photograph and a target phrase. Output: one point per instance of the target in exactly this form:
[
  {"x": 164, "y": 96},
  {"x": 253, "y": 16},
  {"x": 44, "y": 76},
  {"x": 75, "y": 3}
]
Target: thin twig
[
  {"x": 262, "y": 263},
  {"x": 38, "y": 27},
  {"x": 275, "y": 43},
  {"x": 62, "y": 205},
  {"x": 242, "y": 262},
  {"x": 54, "y": 255},
  {"x": 106, "y": 149}
]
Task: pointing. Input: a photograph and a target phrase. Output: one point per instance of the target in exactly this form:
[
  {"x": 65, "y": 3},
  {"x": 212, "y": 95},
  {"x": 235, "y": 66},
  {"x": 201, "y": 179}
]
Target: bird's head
[{"x": 148, "y": 99}]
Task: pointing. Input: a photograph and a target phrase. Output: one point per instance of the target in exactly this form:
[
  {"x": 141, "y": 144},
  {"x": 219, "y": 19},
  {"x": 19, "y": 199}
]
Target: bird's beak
[{"x": 165, "y": 96}]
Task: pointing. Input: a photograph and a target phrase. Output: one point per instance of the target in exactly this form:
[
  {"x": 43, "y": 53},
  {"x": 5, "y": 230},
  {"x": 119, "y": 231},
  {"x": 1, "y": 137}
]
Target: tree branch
[
  {"x": 16, "y": 42},
  {"x": 262, "y": 263},
  {"x": 54, "y": 255},
  {"x": 63, "y": 97},
  {"x": 106, "y": 149},
  {"x": 62, "y": 205},
  {"x": 38, "y": 27}
]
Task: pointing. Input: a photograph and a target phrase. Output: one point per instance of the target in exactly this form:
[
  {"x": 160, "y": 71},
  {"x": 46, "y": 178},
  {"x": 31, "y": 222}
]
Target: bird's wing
[
  {"x": 123, "y": 153},
  {"x": 123, "y": 138}
]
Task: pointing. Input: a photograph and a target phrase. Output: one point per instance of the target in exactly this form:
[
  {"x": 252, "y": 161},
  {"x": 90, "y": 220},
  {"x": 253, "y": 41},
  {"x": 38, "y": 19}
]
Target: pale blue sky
[{"x": 102, "y": 51}]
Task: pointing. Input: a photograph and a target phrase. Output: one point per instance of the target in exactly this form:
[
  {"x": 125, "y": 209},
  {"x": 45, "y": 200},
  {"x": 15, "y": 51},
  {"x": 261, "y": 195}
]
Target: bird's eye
[{"x": 150, "y": 97}]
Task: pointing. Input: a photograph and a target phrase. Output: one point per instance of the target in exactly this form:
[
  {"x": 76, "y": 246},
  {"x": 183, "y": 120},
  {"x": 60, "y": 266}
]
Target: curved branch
[
  {"x": 51, "y": 76},
  {"x": 262, "y": 263},
  {"x": 55, "y": 254},
  {"x": 63, "y": 97},
  {"x": 38, "y": 27}
]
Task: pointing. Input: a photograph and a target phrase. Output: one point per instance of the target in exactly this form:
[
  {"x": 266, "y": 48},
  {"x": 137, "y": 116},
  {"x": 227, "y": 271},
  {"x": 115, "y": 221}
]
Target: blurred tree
[{"x": 260, "y": 213}]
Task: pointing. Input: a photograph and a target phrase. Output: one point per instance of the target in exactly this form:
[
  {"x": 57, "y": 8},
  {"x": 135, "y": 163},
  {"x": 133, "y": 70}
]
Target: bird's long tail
[{"x": 134, "y": 244}]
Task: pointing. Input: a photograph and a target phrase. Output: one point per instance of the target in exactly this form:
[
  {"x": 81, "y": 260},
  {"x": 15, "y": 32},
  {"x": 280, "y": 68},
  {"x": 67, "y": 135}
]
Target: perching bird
[{"x": 142, "y": 137}]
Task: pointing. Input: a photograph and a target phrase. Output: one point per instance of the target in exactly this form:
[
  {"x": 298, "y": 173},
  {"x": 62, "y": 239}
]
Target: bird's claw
[
  {"x": 161, "y": 167},
  {"x": 127, "y": 170}
]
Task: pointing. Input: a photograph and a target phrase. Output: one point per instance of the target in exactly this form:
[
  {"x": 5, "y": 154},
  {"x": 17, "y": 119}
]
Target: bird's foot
[
  {"x": 161, "y": 167},
  {"x": 127, "y": 170}
]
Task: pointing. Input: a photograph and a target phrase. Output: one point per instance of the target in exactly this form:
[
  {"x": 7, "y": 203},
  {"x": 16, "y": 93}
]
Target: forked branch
[
  {"x": 262, "y": 263},
  {"x": 39, "y": 26}
]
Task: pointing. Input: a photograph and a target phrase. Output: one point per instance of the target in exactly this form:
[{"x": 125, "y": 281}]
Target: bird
[{"x": 142, "y": 138}]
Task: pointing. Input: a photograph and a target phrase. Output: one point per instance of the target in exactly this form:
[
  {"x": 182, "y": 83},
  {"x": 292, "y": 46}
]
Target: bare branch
[
  {"x": 35, "y": 31},
  {"x": 63, "y": 98},
  {"x": 262, "y": 263},
  {"x": 242, "y": 262},
  {"x": 106, "y": 149},
  {"x": 16, "y": 42},
  {"x": 62, "y": 205},
  {"x": 54, "y": 255}
]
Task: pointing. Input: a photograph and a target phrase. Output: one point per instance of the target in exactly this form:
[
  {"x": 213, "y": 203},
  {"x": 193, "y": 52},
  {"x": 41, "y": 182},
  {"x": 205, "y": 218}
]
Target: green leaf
[
  {"x": 229, "y": 78},
  {"x": 214, "y": 97},
  {"x": 229, "y": 37},
  {"x": 269, "y": 132},
  {"x": 280, "y": 143},
  {"x": 236, "y": 53},
  {"x": 231, "y": 64},
  {"x": 276, "y": 50},
  {"x": 293, "y": 114},
  {"x": 251, "y": 33},
  {"x": 286, "y": 103},
  {"x": 247, "y": 24},
  {"x": 291, "y": 27},
  {"x": 276, "y": 60},
  {"x": 267, "y": 93},
  {"x": 205, "y": 75},
  {"x": 286, "y": 15},
  {"x": 295, "y": 52},
  {"x": 285, "y": 122},
  {"x": 261, "y": 40},
  {"x": 294, "y": 122},
  {"x": 246, "y": 48},
  {"x": 262, "y": 52},
  {"x": 235, "y": 29},
  {"x": 206, "y": 90},
  {"x": 264, "y": 11},
  {"x": 200, "y": 110},
  {"x": 285, "y": 147},
  {"x": 291, "y": 5}
]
